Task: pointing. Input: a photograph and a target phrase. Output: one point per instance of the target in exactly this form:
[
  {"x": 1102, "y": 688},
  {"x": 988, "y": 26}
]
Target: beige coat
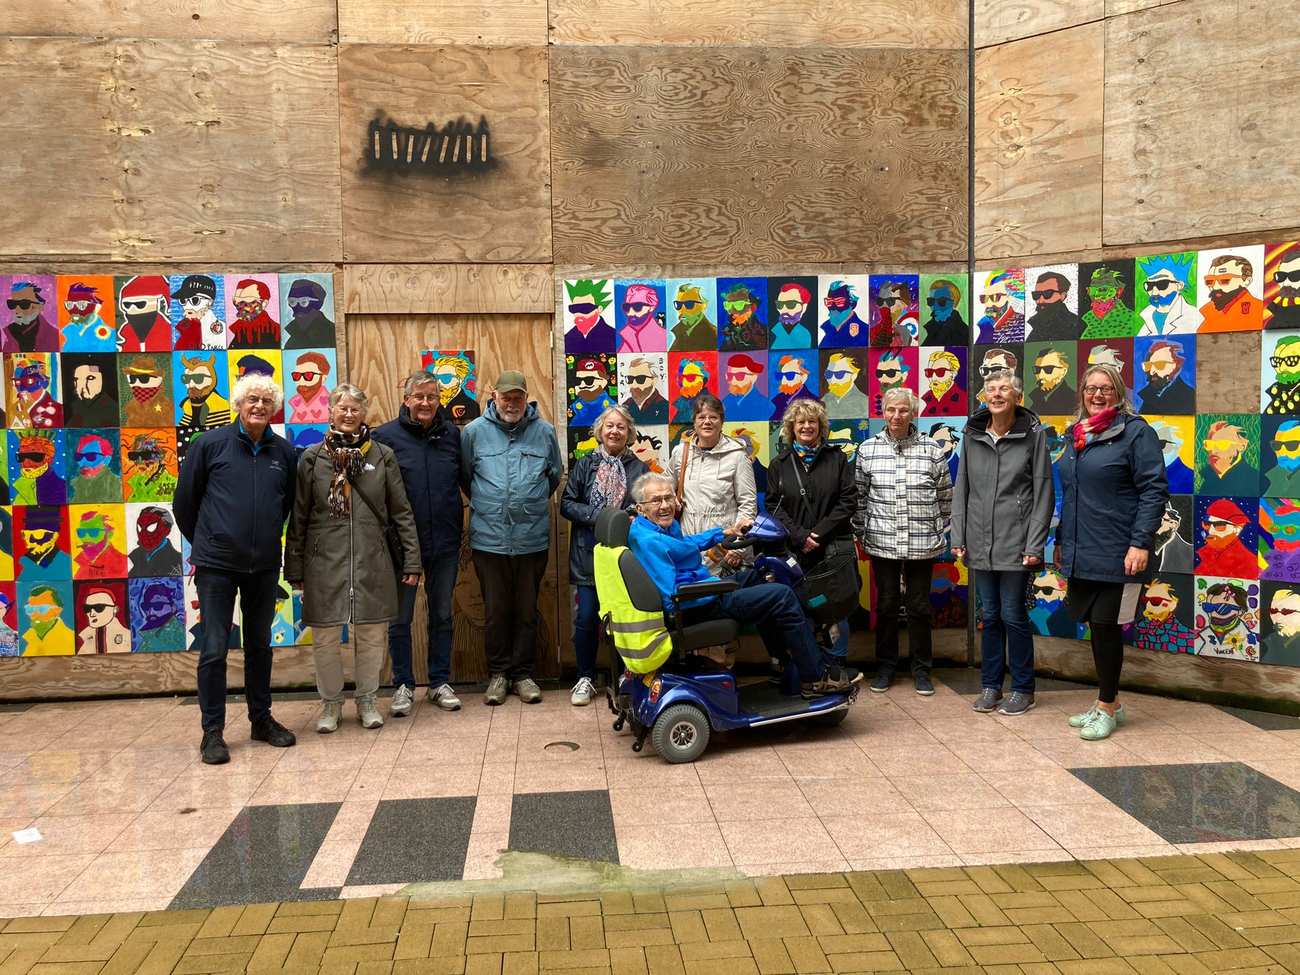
[{"x": 719, "y": 487}]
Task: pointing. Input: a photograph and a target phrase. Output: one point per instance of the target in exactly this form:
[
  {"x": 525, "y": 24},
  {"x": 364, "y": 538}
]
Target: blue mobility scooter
[{"x": 678, "y": 700}]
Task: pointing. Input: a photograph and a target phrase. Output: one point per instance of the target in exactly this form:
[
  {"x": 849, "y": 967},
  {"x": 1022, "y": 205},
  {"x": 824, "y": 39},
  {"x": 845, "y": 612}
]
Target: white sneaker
[
  {"x": 583, "y": 692},
  {"x": 401, "y": 705},
  {"x": 328, "y": 722},
  {"x": 443, "y": 697},
  {"x": 367, "y": 713}
]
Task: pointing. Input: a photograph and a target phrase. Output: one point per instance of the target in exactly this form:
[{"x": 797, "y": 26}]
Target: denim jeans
[
  {"x": 1006, "y": 634},
  {"x": 585, "y": 641},
  {"x": 217, "y": 591},
  {"x": 439, "y": 584}
]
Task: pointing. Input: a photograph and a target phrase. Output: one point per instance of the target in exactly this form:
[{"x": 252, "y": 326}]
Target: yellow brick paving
[{"x": 1178, "y": 915}]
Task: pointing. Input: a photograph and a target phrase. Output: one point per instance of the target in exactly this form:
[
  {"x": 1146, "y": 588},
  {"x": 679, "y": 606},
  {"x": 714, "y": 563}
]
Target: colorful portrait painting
[
  {"x": 313, "y": 374},
  {"x": 145, "y": 381},
  {"x": 100, "y": 607},
  {"x": 756, "y": 439},
  {"x": 1282, "y": 286},
  {"x": 1000, "y": 293},
  {"x": 795, "y": 374},
  {"x": 1178, "y": 441},
  {"x": 643, "y": 386},
  {"x": 36, "y": 465},
  {"x": 94, "y": 466},
  {"x": 149, "y": 464},
  {"x": 581, "y": 441},
  {"x": 651, "y": 447},
  {"x": 947, "y": 431},
  {"x": 252, "y": 304},
  {"x": 792, "y": 312},
  {"x": 591, "y": 384},
  {"x": 1107, "y": 352},
  {"x": 198, "y": 311},
  {"x": 89, "y": 386},
  {"x": 1050, "y": 378},
  {"x": 1047, "y": 610},
  {"x": 991, "y": 359},
  {"x": 7, "y": 545},
  {"x": 157, "y": 615},
  {"x": 1106, "y": 302},
  {"x": 742, "y": 322},
  {"x": 9, "y": 646},
  {"x": 849, "y": 434},
  {"x": 844, "y": 310},
  {"x": 457, "y": 376},
  {"x": 588, "y": 316},
  {"x": 1280, "y": 374},
  {"x": 1279, "y": 624},
  {"x": 194, "y": 620},
  {"x": 307, "y": 314},
  {"x": 98, "y": 540},
  {"x": 1232, "y": 282},
  {"x": 846, "y": 383},
  {"x": 1227, "y": 535},
  {"x": 1052, "y": 304},
  {"x": 201, "y": 384},
  {"x": 87, "y": 314},
  {"x": 283, "y": 631},
  {"x": 690, "y": 374},
  {"x": 1279, "y": 538},
  {"x": 1165, "y": 296},
  {"x": 41, "y": 543},
  {"x": 262, "y": 362},
  {"x": 1056, "y": 427},
  {"x": 945, "y": 309},
  {"x": 1227, "y": 618},
  {"x": 895, "y": 313},
  {"x": 144, "y": 313},
  {"x": 891, "y": 369},
  {"x": 1172, "y": 552},
  {"x": 943, "y": 381},
  {"x": 1227, "y": 454},
  {"x": 693, "y": 314},
  {"x": 45, "y": 618},
  {"x": 745, "y": 378},
  {"x": 1279, "y": 460},
  {"x": 642, "y": 315},
  {"x": 1166, "y": 616},
  {"x": 33, "y": 398},
  {"x": 1166, "y": 374},
  {"x": 29, "y": 319},
  {"x": 949, "y": 596}
]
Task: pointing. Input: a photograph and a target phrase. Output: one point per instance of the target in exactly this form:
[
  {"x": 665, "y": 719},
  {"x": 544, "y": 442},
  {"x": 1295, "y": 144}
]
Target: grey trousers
[{"x": 370, "y": 645}]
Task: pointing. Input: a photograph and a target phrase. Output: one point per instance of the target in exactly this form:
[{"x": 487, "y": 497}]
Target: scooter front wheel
[{"x": 681, "y": 734}]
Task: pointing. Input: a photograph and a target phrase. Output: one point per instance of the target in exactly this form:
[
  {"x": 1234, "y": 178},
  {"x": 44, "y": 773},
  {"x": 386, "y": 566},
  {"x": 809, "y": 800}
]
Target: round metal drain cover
[{"x": 561, "y": 746}]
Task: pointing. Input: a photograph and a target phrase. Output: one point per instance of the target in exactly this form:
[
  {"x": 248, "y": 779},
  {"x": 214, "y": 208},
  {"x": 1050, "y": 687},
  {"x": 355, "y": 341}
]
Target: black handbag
[
  {"x": 392, "y": 537},
  {"x": 829, "y": 591}
]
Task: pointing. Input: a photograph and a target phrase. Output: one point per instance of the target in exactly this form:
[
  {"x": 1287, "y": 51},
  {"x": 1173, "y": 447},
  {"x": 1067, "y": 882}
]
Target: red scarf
[{"x": 1088, "y": 428}]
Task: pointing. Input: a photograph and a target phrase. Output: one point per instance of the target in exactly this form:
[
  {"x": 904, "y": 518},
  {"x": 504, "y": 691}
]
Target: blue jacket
[
  {"x": 671, "y": 558},
  {"x": 430, "y": 463},
  {"x": 509, "y": 474},
  {"x": 233, "y": 497},
  {"x": 1113, "y": 495}
]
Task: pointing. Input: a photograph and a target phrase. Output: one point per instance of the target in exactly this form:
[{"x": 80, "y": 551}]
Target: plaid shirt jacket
[{"x": 904, "y": 497}]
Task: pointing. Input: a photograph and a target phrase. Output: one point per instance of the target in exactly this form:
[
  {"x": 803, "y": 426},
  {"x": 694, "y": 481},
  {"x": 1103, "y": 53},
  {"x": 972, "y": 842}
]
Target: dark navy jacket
[
  {"x": 575, "y": 507},
  {"x": 1113, "y": 495},
  {"x": 430, "y": 463},
  {"x": 232, "y": 500}
]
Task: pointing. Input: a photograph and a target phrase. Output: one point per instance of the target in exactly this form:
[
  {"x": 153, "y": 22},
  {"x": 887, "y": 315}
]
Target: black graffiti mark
[{"x": 458, "y": 146}]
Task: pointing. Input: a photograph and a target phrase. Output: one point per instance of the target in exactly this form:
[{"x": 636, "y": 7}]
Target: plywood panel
[
  {"x": 1116, "y": 7},
  {"x": 509, "y": 23},
  {"x": 1198, "y": 133},
  {"x": 998, "y": 21},
  {"x": 382, "y": 349},
  {"x": 1227, "y": 374},
  {"x": 674, "y": 154},
  {"x": 1038, "y": 144},
  {"x": 296, "y": 21},
  {"x": 765, "y": 23},
  {"x": 495, "y": 215},
  {"x": 161, "y": 150},
  {"x": 440, "y": 288}
]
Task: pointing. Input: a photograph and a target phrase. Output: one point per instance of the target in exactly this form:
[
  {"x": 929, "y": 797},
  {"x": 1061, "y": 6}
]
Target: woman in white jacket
[{"x": 715, "y": 482}]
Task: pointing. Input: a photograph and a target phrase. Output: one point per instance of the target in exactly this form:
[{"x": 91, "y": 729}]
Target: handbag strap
[
  {"x": 681, "y": 474},
  {"x": 374, "y": 510},
  {"x": 795, "y": 463}
]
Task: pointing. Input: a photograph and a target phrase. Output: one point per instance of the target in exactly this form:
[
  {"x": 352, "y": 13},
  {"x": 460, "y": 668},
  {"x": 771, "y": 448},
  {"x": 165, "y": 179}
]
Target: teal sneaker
[
  {"x": 1100, "y": 725},
  {"x": 1079, "y": 720}
]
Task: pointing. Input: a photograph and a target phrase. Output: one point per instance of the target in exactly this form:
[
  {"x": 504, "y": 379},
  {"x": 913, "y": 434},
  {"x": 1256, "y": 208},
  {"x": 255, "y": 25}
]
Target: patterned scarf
[
  {"x": 348, "y": 452},
  {"x": 609, "y": 485},
  {"x": 1090, "y": 427},
  {"x": 806, "y": 453}
]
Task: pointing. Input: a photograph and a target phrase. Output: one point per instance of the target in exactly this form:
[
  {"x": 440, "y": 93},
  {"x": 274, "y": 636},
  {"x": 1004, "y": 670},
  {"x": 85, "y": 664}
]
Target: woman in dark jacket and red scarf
[
  {"x": 1113, "y": 491},
  {"x": 810, "y": 490},
  {"x": 598, "y": 481}
]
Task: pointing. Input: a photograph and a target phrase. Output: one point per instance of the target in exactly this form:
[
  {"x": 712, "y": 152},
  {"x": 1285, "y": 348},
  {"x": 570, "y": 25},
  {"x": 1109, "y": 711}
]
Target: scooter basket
[{"x": 829, "y": 592}]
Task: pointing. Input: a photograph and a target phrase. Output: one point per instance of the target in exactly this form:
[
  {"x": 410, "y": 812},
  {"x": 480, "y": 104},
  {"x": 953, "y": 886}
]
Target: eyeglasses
[
  {"x": 1282, "y": 611},
  {"x": 888, "y": 373},
  {"x": 306, "y": 376},
  {"x": 839, "y": 304},
  {"x": 195, "y": 378},
  {"x": 1161, "y": 284},
  {"x": 938, "y": 372},
  {"x": 582, "y": 308},
  {"x": 1215, "y": 524},
  {"x": 79, "y": 306},
  {"x": 300, "y": 302},
  {"x": 635, "y": 308},
  {"x": 137, "y": 456},
  {"x": 1044, "y": 294},
  {"x": 642, "y": 380},
  {"x": 1220, "y": 280},
  {"x": 349, "y": 410},
  {"x": 135, "y": 379},
  {"x": 23, "y": 303},
  {"x": 136, "y": 304},
  {"x": 1151, "y": 365},
  {"x": 659, "y": 500},
  {"x": 1282, "y": 277},
  {"x": 1098, "y": 390},
  {"x": 1220, "y": 609},
  {"x": 992, "y": 297},
  {"x": 98, "y": 607},
  {"x": 414, "y": 397},
  {"x": 1046, "y": 370},
  {"x": 938, "y": 302},
  {"x": 683, "y": 305},
  {"x": 1285, "y": 446},
  {"x": 737, "y": 305},
  {"x": 253, "y": 400},
  {"x": 1287, "y": 361},
  {"x": 789, "y": 305}
]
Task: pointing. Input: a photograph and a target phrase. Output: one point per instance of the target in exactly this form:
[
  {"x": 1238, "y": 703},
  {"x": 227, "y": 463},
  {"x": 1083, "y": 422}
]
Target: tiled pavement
[
  {"x": 129, "y": 821},
  {"x": 1177, "y": 915}
]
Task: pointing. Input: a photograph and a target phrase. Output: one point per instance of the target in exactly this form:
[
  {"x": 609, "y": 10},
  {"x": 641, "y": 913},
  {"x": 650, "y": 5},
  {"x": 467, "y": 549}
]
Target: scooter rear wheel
[{"x": 681, "y": 734}]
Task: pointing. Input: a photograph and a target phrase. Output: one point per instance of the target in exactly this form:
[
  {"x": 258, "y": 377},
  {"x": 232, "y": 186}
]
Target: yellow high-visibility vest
[{"x": 640, "y": 637}]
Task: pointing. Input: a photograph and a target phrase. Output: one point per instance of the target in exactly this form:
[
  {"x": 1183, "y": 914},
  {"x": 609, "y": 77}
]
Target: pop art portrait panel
[
  {"x": 201, "y": 389},
  {"x": 591, "y": 382},
  {"x": 1280, "y": 374},
  {"x": 143, "y": 313},
  {"x": 1279, "y": 456},
  {"x": 990, "y": 359},
  {"x": 689, "y": 375},
  {"x": 1227, "y": 454},
  {"x": 1107, "y": 352},
  {"x": 845, "y": 383},
  {"x": 198, "y": 310},
  {"x": 94, "y": 466},
  {"x": 1279, "y": 538},
  {"x": 843, "y": 310},
  {"x": 1227, "y": 618},
  {"x": 949, "y": 596},
  {"x": 693, "y": 314},
  {"x": 745, "y": 385},
  {"x": 307, "y": 313},
  {"x": 262, "y": 362},
  {"x": 98, "y": 533},
  {"x": 795, "y": 374},
  {"x": 1047, "y": 610},
  {"x": 581, "y": 442},
  {"x": 792, "y": 312},
  {"x": 153, "y": 541},
  {"x": 1227, "y": 537},
  {"x": 756, "y": 440},
  {"x": 33, "y": 398},
  {"x": 589, "y": 316},
  {"x": 948, "y": 432},
  {"x": 895, "y": 313},
  {"x": 1279, "y": 625},
  {"x": 945, "y": 309},
  {"x": 1166, "y": 616},
  {"x": 145, "y": 382},
  {"x": 641, "y": 309},
  {"x": 1000, "y": 294},
  {"x": 457, "y": 373},
  {"x": 1052, "y": 303},
  {"x": 100, "y": 609},
  {"x": 36, "y": 467},
  {"x": 194, "y": 620},
  {"x": 742, "y": 315},
  {"x": 157, "y": 615},
  {"x": 1177, "y": 435},
  {"x": 643, "y": 386},
  {"x": 1165, "y": 296},
  {"x": 849, "y": 435},
  {"x": 313, "y": 374},
  {"x": 1106, "y": 299},
  {"x": 9, "y": 620},
  {"x": 1232, "y": 282},
  {"x": 41, "y": 543},
  {"x": 1050, "y": 377},
  {"x": 1173, "y": 550},
  {"x": 1166, "y": 374},
  {"x": 89, "y": 385},
  {"x": 1282, "y": 286},
  {"x": 651, "y": 447},
  {"x": 7, "y": 545},
  {"x": 29, "y": 319},
  {"x": 149, "y": 464},
  {"x": 45, "y": 618},
  {"x": 252, "y": 304},
  {"x": 87, "y": 315},
  {"x": 891, "y": 369}
]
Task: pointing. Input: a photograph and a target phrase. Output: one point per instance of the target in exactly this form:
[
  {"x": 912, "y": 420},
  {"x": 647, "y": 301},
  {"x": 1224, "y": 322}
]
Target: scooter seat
[{"x": 708, "y": 633}]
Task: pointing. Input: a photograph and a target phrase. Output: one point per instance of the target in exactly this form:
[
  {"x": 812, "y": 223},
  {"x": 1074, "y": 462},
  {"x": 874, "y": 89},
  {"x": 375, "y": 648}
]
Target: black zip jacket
[
  {"x": 827, "y": 507},
  {"x": 430, "y": 463}
]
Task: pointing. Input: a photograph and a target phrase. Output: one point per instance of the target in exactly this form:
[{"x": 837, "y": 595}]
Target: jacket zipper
[{"x": 352, "y": 515}]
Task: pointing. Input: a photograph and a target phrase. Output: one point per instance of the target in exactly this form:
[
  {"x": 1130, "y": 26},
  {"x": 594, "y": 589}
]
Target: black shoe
[
  {"x": 883, "y": 679},
  {"x": 273, "y": 733},
  {"x": 213, "y": 750},
  {"x": 924, "y": 686}
]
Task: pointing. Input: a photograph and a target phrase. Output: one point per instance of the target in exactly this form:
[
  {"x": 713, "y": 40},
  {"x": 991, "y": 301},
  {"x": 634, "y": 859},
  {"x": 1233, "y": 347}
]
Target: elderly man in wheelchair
[{"x": 673, "y": 562}]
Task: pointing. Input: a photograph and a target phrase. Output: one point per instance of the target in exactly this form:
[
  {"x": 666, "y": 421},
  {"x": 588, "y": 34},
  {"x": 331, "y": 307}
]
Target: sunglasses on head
[
  {"x": 938, "y": 302},
  {"x": 1044, "y": 294},
  {"x": 582, "y": 308},
  {"x": 684, "y": 305}
]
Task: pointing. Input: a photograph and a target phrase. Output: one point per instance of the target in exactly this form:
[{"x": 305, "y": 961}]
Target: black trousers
[
  {"x": 1108, "y": 655},
  {"x": 217, "y": 591},
  {"x": 510, "y": 585},
  {"x": 917, "y": 573}
]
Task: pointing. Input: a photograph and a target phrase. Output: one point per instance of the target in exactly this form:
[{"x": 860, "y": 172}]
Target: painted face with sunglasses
[
  {"x": 1284, "y": 612},
  {"x": 1159, "y": 602},
  {"x": 92, "y": 455},
  {"x": 1223, "y": 605},
  {"x": 25, "y": 304}
]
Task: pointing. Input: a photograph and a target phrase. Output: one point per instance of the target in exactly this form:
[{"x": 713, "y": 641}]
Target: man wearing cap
[
  {"x": 310, "y": 327},
  {"x": 43, "y": 557},
  {"x": 149, "y": 402},
  {"x": 644, "y": 403},
  {"x": 744, "y": 400},
  {"x": 642, "y": 329},
  {"x": 86, "y": 330},
  {"x": 1223, "y": 554},
  {"x": 30, "y": 330},
  {"x": 510, "y": 467},
  {"x": 253, "y": 328},
  {"x": 143, "y": 303},
  {"x": 591, "y": 392},
  {"x": 694, "y": 332},
  {"x": 154, "y": 553},
  {"x": 103, "y": 632},
  {"x": 199, "y": 327},
  {"x": 34, "y": 406}
]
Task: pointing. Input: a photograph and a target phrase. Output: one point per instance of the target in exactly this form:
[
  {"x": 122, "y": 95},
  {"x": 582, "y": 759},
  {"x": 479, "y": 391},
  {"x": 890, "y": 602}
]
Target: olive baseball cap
[{"x": 511, "y": 381}]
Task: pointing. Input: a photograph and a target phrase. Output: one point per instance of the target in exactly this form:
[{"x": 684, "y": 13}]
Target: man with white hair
[{"x": 236, "y": 490}]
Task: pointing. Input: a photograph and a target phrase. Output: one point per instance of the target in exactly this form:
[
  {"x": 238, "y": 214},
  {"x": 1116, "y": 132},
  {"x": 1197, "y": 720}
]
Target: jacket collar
[
  {"x": 1026, "y": 422},
  {"x": 674, "y": 530},
  {"x": 435, "y": 429}
]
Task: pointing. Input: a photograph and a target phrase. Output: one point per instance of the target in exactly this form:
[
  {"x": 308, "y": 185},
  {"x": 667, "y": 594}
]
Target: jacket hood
[
  {"x": 1026, "y": 421},
  {"x": 491, "y": 415},
  {"x": 439, "y": 421}
]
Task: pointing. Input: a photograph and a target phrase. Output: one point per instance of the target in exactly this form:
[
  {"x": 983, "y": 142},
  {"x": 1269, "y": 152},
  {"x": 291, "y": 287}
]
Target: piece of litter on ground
[{"x": 29, "y": 835}]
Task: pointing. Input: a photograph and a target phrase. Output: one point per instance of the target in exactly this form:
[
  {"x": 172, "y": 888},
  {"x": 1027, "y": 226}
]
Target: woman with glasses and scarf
[
  {"x": 598, "y": 481},
  {"x": 1114, "y": 492},
  {"x": 349, "y": 490}
]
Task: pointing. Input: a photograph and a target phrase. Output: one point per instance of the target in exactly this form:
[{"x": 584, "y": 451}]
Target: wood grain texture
[
  {"x": 765, "y": 23},
  {"x": 1116, "y": 7},
  {"x": 161, "y": 150},
  {"x": 1198, "y": 138},
  {"x": 507, "y": 23},
  {"x": 296, "y": 21},
  {"x": 1227, "y": 372},
  {"x": 498, "y": 215},
  {"x": 1038, "y": 144},
  {"x": 999, "y": 21},
  {"x": 382, "y": 349},
  {"x": 397, "y": 289},
  {"x": 674, "y": 154}
]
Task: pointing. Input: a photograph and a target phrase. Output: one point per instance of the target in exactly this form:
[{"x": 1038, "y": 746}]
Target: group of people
[{"x": 374, "y": 514}]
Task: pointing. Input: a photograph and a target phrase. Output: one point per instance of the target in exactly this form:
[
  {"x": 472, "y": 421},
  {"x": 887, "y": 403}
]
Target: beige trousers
[{"x": 369, "y": 644}]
